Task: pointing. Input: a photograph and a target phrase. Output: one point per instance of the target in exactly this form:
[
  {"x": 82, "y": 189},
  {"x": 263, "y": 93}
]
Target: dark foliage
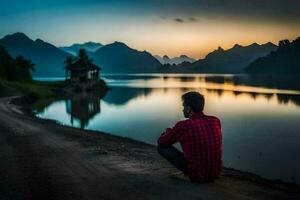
[
  {"x": 6, "y": 61},
  {"x": 82, "y": 56},
  {"x": 48, "y": 58},
  {"x": 17, "y": 69},
  {"x": 286, "y": 60}
]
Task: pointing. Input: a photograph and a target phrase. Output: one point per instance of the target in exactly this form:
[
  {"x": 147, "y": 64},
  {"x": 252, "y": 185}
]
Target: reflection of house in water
[{"x": 83, "y": 107}]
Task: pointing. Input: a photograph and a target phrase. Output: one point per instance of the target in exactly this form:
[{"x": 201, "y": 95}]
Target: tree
[
  {"x": 283, "y": 44},
  {"x": 21, "y": 69},
  {"x": 285, "y": 60},
  {"x": 68, "y": 62},
  {"x": 5, "y": 63},
  {"x": 82, "y": 55},
  {"x": 18, "y": 69}
]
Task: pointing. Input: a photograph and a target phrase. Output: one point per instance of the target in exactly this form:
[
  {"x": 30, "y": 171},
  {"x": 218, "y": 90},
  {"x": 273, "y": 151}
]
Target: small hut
[{"x": 81, "y": 71}]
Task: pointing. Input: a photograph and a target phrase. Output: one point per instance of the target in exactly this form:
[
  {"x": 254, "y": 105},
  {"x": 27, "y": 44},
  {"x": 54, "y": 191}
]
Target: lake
[{"x": 260, "y": 117}]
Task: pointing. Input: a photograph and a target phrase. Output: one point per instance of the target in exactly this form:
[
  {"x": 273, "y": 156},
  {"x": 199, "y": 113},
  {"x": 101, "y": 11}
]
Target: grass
[{"x": 35, "y": 90}]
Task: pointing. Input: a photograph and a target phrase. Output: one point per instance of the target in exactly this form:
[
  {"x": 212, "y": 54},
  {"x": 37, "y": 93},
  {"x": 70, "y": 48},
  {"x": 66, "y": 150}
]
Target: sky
[{"x": 161, "y": 27}]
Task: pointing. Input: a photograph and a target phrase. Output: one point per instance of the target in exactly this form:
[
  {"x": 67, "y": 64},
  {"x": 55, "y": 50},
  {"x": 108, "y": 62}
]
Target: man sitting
[{"x": 200, "y": 138}]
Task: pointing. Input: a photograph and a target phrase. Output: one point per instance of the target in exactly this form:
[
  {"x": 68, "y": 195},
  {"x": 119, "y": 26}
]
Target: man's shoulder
[
  {"x": 189, "y": 122},
  {"x": 211, "y": 117},
  {"x": 182, "y": 123},
  {"x": 214, "y": 120}
]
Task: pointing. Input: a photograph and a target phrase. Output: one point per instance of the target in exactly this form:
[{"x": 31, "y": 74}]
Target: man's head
[{"x": 193, "y": 102}]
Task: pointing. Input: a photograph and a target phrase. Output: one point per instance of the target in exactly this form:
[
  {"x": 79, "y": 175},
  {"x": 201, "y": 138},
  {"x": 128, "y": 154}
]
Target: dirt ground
[{"x": 40, "y": 159}]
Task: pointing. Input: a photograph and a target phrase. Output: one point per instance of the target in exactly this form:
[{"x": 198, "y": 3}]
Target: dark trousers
[{"x": 174, "y": 156}]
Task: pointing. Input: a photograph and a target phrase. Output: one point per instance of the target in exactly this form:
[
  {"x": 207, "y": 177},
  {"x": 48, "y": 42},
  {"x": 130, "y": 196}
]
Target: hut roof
[{"x": 81, "y": 65}]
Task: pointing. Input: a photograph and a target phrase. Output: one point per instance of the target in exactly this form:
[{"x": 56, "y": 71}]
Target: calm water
[{"x": 260, "y": 119}]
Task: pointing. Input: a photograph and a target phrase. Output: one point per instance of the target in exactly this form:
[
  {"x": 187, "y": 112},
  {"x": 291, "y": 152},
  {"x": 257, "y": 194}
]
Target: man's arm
[{"x": 171, "y": 136}]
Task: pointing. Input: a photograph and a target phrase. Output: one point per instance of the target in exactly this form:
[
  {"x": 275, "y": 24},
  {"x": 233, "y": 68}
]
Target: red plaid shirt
[{"x": 201, "y": 141}]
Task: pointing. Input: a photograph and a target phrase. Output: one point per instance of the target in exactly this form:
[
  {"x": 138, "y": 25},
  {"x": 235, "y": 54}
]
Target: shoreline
[
  {"x": 229, "y": 171},
  {"x": 143, "y": 172}
]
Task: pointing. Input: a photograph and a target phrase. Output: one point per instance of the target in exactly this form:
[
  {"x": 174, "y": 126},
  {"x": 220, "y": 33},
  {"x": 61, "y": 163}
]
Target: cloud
[
  {"x": 178, "y": 20},
  {"x": 184, "y": 20},
  {"x": 192, "y": 19},
  {"x": 278, "y": 11}
]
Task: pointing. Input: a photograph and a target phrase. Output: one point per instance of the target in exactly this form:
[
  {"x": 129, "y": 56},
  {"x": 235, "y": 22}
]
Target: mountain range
[
  {"x": 48, "y": 59},
  {"x": 120, "y": 58},
  {"x": 176, "y": 60},
  {"x": 88, "y": 46},
  {"x": 285, "y": 60},
  {"x": 233, "y": 60}
]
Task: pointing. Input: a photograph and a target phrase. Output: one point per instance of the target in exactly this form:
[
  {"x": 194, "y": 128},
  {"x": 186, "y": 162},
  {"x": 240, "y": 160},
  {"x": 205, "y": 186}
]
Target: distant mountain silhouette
[
  {"x": 119, "y": 58},
  {"x": 286, "y": 60},
  {"x": 176, "y": 60},
  {"x": 233, "y": 60},
  {"x": 88, "y": 46},
  {"x": 48, "y": 59},
  {"x": 113, "y": 58}
]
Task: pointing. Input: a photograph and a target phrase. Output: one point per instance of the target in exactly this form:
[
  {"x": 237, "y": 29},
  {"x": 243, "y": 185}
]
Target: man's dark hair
[{"x": 195, "y": 100}]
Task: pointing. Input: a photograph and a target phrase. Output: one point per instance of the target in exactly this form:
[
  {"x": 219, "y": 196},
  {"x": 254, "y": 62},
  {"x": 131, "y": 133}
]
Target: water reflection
[
  {"x": 259, "y": 122},
  {"x": 122, "y": 95},
  {"x": 281, "y": 98},
  {"x": 83, "y": 107},
  {"x": 286, "y": 99}
]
